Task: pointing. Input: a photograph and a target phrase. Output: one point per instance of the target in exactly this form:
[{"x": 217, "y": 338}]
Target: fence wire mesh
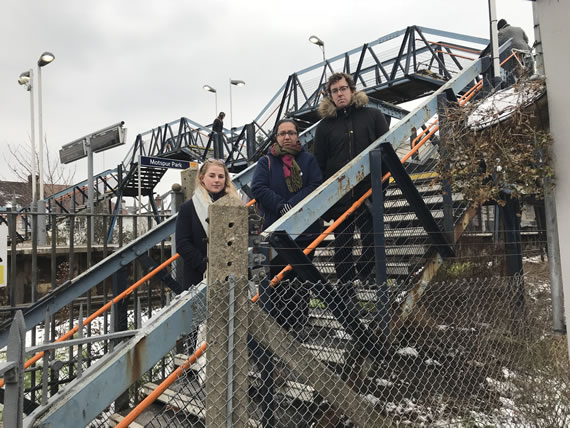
[{"x": 470, "y": 353}]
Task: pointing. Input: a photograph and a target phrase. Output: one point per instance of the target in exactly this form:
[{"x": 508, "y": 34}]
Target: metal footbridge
[{"x": 415, "y": 63}]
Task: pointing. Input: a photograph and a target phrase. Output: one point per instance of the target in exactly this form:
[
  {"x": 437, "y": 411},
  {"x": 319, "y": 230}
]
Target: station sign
[{"x": 165, "y": 163}]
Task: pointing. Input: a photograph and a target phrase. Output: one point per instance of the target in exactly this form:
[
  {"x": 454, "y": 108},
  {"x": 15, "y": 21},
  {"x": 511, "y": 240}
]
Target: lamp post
[
  {"x": 316, "y": 41},
  {"x": 233, "y": 83},
  {"x": 210, "y": 89},
  {"x": 26, "y": 79},
  {"x": 45, "y": 59}
]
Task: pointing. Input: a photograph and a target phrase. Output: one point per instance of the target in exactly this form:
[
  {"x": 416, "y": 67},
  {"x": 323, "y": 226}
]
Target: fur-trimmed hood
[{"x": 328, "y": 109}]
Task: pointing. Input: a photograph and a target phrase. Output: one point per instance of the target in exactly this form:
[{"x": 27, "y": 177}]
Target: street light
[
  {"x": 26, "y": 79},
  {"x": 45, "y": 59},
  {"x": 210, "y": 89},
  {"x": 316, "y": 41},
  {"x": 233, "y": 83}
]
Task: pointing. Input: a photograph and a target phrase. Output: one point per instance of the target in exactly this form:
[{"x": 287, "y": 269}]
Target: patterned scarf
[{"x": 291, "y": 170}]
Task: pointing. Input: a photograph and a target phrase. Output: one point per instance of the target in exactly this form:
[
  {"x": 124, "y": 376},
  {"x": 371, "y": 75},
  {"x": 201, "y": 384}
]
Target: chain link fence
[{"x": 470, "y": 353}]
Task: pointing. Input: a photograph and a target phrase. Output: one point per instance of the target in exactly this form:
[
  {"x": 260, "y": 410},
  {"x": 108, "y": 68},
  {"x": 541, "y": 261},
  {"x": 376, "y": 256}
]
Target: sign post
[{"x": 3, "y": 255}]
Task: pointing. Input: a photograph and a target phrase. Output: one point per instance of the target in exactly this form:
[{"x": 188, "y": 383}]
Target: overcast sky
[{"x": 145, "y": 62}]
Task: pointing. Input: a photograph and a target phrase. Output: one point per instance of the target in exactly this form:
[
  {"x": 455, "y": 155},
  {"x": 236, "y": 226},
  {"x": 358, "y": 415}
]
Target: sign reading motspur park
[{"x": 164, "y": 163}]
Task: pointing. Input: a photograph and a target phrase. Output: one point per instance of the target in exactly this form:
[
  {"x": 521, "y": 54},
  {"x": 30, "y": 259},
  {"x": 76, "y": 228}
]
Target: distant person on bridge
[
  {"x": 348, "y": 127},
  {"x": 282, "y": 178},
  {"x": 522, "y": 63},
  {"x": 217, "y": 129},
  {"x": 212, "y": 182},
  {"x": 218, "y": 125}
]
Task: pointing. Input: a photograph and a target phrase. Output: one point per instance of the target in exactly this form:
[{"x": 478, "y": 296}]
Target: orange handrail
[
  {"x": 102, "y": 309},
  {"x": 514, "y": 54},
  {"x": 459, "y": 48},
  {"x": 453, "y": 54}
]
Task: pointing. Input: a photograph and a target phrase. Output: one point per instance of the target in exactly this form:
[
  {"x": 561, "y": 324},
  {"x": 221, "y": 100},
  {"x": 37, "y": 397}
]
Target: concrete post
[
  {"x": 14, "y": 394},
  {"x": 188, "y": 178},
  {"x": 227, "y": 356}
]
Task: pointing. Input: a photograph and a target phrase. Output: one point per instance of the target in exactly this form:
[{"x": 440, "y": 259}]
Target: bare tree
[{"x": 19, "y": 163}]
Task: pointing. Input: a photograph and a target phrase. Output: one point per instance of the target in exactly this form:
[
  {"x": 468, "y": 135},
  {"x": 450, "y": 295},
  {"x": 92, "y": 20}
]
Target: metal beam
[
  {"x": 412, "y": 195},
  {"x": 70, "y": 290},
  {"x": 113, "y": 374}
]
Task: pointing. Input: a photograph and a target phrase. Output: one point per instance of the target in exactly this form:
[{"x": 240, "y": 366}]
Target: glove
[{"x": 285, "y": 208}]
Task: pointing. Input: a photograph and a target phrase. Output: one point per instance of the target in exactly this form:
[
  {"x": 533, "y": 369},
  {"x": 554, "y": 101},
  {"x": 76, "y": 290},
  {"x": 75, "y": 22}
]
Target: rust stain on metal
[
  {"x": 360, "y": 174},
  {"x": 134, "y": 360}
]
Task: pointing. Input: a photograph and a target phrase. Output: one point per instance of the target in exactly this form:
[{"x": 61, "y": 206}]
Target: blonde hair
[{"x": 229, "y": 188}]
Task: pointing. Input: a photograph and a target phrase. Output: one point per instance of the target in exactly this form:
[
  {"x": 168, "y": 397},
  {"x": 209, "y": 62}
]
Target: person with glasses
[
  {"x": 347, "y": 128},
  {"x": 282, "y": 178}
]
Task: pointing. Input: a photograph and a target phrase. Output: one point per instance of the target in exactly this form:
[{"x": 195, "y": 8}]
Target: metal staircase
[{"x": 396, "y": 79}]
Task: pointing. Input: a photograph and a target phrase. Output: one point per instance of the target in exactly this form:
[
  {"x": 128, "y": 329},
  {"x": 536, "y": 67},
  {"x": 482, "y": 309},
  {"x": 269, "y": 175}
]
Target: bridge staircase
[{"x": 406, "y": 264}]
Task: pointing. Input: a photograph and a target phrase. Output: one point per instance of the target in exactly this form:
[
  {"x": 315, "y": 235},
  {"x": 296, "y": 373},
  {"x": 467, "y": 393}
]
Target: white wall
[{"x": 553, "y": 17}]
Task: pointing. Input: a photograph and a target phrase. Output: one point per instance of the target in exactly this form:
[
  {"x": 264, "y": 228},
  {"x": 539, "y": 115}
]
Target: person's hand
[{"x": 285, "y": 208}]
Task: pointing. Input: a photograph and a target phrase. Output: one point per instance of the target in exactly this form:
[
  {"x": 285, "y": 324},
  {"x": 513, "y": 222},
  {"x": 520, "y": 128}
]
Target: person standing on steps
[
  {"x": 347, "y": 128},
  {"x": 212, "y": 182},
  {"x": 282, "y": 178}
]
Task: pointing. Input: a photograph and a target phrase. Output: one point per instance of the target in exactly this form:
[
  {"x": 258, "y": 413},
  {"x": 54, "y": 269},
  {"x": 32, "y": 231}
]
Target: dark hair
[
  {"x": 286, "y": 120},
  {"x": 335, "y": 77},
  {"x": 222, "y": 114},
  {"x": 501, "y": 23}
]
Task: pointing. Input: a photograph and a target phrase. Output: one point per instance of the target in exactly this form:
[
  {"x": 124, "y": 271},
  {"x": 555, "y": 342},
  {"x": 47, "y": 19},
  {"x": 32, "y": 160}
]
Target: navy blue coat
[
  {"x": 191, "y": 244},
  {"x": 271, "y": 192}
]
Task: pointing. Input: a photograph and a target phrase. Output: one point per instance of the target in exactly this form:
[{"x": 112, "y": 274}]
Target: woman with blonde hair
[{"x": 212, "y": 182}]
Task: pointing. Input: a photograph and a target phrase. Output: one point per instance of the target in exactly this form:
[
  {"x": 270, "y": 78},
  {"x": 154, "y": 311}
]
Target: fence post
[
  {"x": 15, "y": 296},
  {"x": 382, "y": 303},
  {"x": 177, "y": 200},
  {"x": 227, "y": 356},
  {"x": 14, "y": 394}
]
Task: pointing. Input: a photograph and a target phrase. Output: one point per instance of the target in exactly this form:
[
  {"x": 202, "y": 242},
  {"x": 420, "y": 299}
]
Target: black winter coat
[
  {"x": 341, "y": 136},
  {"x": 270, "y": 189},
  {"x": 191, "y": 244}
]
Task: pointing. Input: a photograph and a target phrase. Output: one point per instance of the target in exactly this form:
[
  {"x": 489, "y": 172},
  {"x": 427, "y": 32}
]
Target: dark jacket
[
  {"x": 191, "y": 244},
  {"x": 271, "y": 192},
  {"x": 341, "y": 136},
  {"x": 218, "y": 125}
]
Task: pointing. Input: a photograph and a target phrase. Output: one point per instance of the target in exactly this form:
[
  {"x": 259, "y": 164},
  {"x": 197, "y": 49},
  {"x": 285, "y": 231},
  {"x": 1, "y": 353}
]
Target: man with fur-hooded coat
[{"x": 347, "y": 128}]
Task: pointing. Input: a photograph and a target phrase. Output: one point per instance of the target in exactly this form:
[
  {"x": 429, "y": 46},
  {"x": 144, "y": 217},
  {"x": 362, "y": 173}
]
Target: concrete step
[{"x": 179, "y": 401}]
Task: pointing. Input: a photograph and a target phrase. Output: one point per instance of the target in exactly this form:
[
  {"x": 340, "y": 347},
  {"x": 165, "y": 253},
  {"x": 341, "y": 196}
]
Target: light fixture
[
  {"x": 212, "y": 90},
  {"x": 316, "y": 41},
  {"x": 233, "y": 83},
  {"x": 24, "y": 79},
  {"x": 45, "y": 59}
]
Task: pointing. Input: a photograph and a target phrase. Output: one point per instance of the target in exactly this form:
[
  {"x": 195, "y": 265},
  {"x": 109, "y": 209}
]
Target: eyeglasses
[
  {"x": 335, "y": 91},
  {"x": 289, "y": 133}
]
